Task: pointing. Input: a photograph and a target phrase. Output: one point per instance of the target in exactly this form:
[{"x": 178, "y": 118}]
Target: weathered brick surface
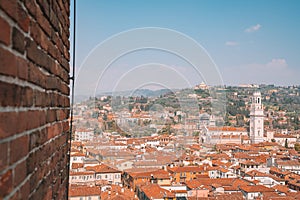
[
  {"x": 34, "y": 103},
  {"x": 5, "y": 32}
]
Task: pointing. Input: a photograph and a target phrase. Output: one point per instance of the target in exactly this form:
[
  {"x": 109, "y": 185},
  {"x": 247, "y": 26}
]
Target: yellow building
[{"x": 186, "y": 173}]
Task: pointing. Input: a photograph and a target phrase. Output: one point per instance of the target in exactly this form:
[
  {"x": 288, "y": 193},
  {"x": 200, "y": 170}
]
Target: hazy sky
[{"x": 249, "y": 41}]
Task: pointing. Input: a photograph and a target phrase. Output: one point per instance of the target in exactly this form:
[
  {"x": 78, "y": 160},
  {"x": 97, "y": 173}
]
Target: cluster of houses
[
  {"x": 136, "y": 168},
  {"x": 222, "y": 162}
]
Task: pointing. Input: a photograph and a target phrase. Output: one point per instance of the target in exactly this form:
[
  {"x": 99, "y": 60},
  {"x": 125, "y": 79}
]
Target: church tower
[{"x": 256, "y": 119}]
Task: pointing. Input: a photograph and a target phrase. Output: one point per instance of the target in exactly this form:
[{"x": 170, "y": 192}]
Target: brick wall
[{"x": 34, "y": 98}]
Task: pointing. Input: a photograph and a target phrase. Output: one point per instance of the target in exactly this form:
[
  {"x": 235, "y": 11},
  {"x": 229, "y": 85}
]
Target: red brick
[
  {"x": 38, "y": 138},
  {"x": 51, "y": 115},
  {"x": 22, "y": 68},
  {"x": 34, "y": 119},
  {"x": 7, "y": 63},
  {"x": 41, "y": 189},
  {"x": 48, "y": 194},
  {"x": 62, "y": 114},
  {"x": 54, "y": 130},
  {"x": 65, "y": 89},
  {"x": 16, "y": 196},
  {"x": 31, "y": 7},
  {"x": 5, "y": 32},
  {"x": 35, "y": 32},
  {"x": 43, "y": 22},
  {"x": 3, "y": 155},
  {"x": 45, "y": 42},
  {"x": 52, "y": 82},
  {"x": 13, "y": 95},
  {"x": 40, "y": 31},
  {"x": 18, "y": 148},
  {"x": 66, "y": 53},
  {"x": 38, "y": 56},
  {"x": 9, "y": 94},
  {"x": 22, "y": 18},
  {"x": 54, "y": 21},
  {"x": 66, "y": 126},
  {"x": 24, "y": 191},
  {"x": 5, "y": 183},
  {"x": 39, "y": 99},
  {"x": 18, "y": 40},
  {"x": 31, "y": 165},
  {"x": 20, "y": 173},
  {"x": 27, "y": 97},
  {"x": 44, "y": 5},
  {"x": 10, "y": 7},
  {"x": 6, "y": 119},
  {"x": 36, "y": 76}
]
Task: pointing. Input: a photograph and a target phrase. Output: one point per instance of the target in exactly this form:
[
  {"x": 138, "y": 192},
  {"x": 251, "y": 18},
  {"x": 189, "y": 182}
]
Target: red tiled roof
[
  {"x": 185, "y": 169},
  {"x": 289, "y": 163},
  {"x": 84, "y": 191},
  {"x": 77, "y": 165},
  {"x": 72, "y": 173},
  {"x": 255, "y": 188},
  {"x": 102, "y": 169},
  {"x": 155, "y": 191},
  {"x": 227, "y": 128},
  {"x": 281, "y": 188}
]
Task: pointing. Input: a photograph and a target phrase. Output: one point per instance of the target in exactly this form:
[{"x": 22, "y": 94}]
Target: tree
[
  {"x": 297, "y": 147},
  {"x": 286, "y": 144},
  {"x": 273, "y": 140}
]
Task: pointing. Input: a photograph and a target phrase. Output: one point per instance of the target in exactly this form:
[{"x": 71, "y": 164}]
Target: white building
[
  {"x": 224, "y": 135},
  {"x": 84, "y": 135},
  {"x": 256, "y": 119}
]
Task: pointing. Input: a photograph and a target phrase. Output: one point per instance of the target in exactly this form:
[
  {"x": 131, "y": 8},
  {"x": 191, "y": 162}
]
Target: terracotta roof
[
  {"x": 77, "y": 154},
  {"x": 278, "y": 135},
  {"x": 224, "y": 182},
  {"x": 159, "y": 174},
  {"x": 77, "y": 165},
  {"x": 249, "y": 162},
  {"x": 118, "y": 193},
  {"x": 255, "y": 188},
  {"x": 186, "y": 169},
  {"x": 278, "y": 171},
  {"x": 72, "y": 173},
  {"x": 289, "y": 163},
  {"x": 155, "y": 191},
  {"x": 281, "y": 188},
  {"x": 84, "y": 191},
  {"x": 227, "y": 128},
  {"x": 102, "y": 169}
]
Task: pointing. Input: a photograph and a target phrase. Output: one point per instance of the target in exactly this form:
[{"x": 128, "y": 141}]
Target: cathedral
[{"x": 222, "y": 135}]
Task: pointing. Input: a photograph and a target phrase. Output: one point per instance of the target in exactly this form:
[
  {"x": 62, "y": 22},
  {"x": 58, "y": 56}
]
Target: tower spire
[{"x": 256, "y": 119}]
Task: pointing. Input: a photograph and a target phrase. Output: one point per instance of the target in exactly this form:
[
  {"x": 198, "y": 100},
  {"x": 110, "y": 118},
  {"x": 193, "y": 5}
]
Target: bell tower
[{"x": 256, "y": 119}]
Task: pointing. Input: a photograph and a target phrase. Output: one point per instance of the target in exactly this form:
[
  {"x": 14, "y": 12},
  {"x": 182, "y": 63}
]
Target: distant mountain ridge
[
  {"x": 127, "y": 93},
  {"x": 139, "y": 92}
]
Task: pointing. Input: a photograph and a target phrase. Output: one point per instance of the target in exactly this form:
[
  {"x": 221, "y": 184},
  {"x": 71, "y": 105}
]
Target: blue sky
[{"x": 250, "y": 41}]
